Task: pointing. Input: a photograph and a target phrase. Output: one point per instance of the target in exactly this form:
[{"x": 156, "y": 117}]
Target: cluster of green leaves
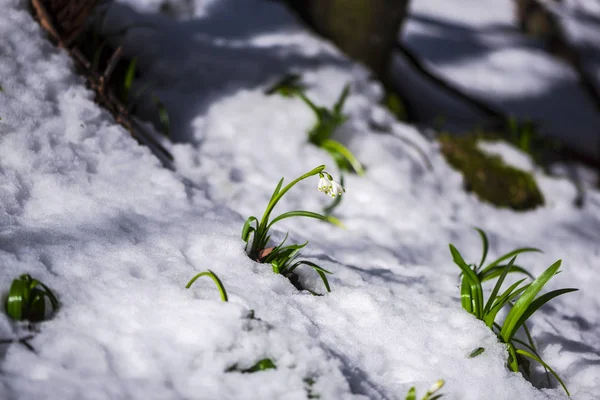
[
  {"x": 215, "y": 279},
  {"x": 524, "y": 296},
  {"x": 27, "y": 299},
  {"x": 281, "y": 257},
  {"x": 328, "y": 121},
  {"x": 431, "y": 393},
  {"x": 121, "y": 73}
]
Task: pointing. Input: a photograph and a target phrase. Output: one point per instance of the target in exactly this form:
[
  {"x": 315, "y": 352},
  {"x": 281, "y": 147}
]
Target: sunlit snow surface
[
  {"x": 476, "y": 45},
  {"x": 92, "y": 214}
]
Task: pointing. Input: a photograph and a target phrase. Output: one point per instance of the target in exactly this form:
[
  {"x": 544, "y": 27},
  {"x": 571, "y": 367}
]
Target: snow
[
  {"x": 478, "y": 47},
  {"x": 96, "y": 217}
]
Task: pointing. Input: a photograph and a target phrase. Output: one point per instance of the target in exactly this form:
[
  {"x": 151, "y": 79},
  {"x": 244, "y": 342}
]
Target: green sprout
[
  {"x": 27, "y": 299},
  {"x": 283, "y": 258},
  {"x": 327, "y": 122},
  {"x": 261, "y": 365},
  {"x": 287, "y": 86},
  {"x": 412, "y": 393},
  {"x": 215, "y": 278},
  {"x": 526, "y": 303}
]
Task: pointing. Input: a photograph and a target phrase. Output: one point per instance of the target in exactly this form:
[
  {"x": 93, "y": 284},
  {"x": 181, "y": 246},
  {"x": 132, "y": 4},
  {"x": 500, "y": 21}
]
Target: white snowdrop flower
[
  {"x": 329, "y": 186},
  {"x": 324, "y": 185},
  {"x": 336, "y": 189}
]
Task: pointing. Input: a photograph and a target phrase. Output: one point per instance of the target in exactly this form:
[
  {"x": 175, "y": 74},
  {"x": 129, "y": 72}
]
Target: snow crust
[
  {"x": 95, "y": 216},
  {"x": 476, "y": 45}
]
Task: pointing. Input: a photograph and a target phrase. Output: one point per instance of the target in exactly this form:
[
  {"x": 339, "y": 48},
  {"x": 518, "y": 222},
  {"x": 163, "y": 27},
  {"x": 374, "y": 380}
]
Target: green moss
[{"x": 489, "y": 177}]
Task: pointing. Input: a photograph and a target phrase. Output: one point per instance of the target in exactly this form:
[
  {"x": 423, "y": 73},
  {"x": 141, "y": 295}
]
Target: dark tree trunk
[{"x": 366, "y": 30}]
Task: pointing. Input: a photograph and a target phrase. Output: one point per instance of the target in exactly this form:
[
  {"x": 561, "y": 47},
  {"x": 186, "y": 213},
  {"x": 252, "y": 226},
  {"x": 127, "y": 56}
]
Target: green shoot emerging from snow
[
  {"x": 430, "y": 395},
  {"x": 327, "y": 122},
  {"x": 283, "y": 258},
  {"x": 262, "y": 365},
  {"x": 526, "y": 303},
  {"x": 215, "y": 278},
  {"x": 27, "y": 299},
  {"x": 287, "y": 86}
]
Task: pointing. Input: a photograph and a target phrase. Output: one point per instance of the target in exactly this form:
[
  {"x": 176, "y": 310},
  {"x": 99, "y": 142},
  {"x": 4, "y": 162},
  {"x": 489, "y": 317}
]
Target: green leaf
[
  {"x": 486, "y": 246},
  {"x": 129, "y": 75},
  {"x": 476, "y": 352},
  {"x": 335, "y": 146},
  {"x": 36, "y": 311},
  {"x": 502, "y": 300},
  {"x": 276, "y": 191},
  {"x": 262, "y": 365},
  {"x": 300, "y": 213},
  {"x": 215, "y": 279},
  {"x": 339, "y": 105},
  {"x": 497, "y": 286},
  {"x": 247, "y": 229},
  {"x": 321, "y": 271},
  {"x": 163, "y": 115},
  {"x": 513, "y": 363},
  {"x": 539, "y": 360},
  {"x": 48, "y": 293},
  {"x": 16, "y": 302},
  {"x": 513, "y": 319},
  {"x": 412, "y": 394},
  {"x": 510, "y": 255},
  {"x": 275, "y": 199},
  {"x": 473, "y": 282},
  {"x": 497, "y": 271},
  {"x": 539, "y": 302}
]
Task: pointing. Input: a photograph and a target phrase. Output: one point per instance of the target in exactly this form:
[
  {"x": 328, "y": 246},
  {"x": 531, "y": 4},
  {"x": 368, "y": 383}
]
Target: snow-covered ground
[
  {"x": 476, "y": 45},
  {"x": 95, "y": 216}
]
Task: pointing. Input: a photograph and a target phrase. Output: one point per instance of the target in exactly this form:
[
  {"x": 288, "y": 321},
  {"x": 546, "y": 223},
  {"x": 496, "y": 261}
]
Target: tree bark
[{"x": 366, "y": 30}]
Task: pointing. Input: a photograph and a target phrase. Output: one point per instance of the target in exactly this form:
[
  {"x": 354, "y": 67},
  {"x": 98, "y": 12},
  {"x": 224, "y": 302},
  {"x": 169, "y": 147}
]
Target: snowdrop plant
[
  {"x": 525, "y": 304},
  {"x": 327, "y": 122},
  {"x": 283, "y": 258},
  {"x": 215, "y": 279},
  {"x": 431, "y": 393},
  {"x": 27, "y": 299}
]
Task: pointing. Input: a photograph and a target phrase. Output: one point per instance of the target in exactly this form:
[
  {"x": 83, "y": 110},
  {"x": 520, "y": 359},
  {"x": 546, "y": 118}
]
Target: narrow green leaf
[
  {"x": 262, "y": 365},
  {"x": 539, "y": 302},
  {"x": 510, "y": 255},
  {"x": 466, "y": 298},
  {"x": 300, "y": 213},
  {"x": 502, "y": 300},
  {"x": 215, "y": 279},
  {"x": 339, "y": 105},
  {"x": 485, "y": 242},
  {"x": 497, "y": 271},
  {"x": 129, "y": 75},
  {"x": 539, "y": 360},
  {"x": 163, "y": 115},
  {"x": 476, "y": 352},
  {"x": 16, "y": 301},
  {"x": 510, "y": 325},
  {"x": 473, "y": 282},
  {"x": 48, "y": 293},
  {"x": 412, "y": 394},
  {"x": 247, "y": 229},
  {"x": 321, "y": 271},
  {"x": 275, "y": 199},
  {"x": 513, "y": 363},
  {"x": 497, "y": 286},
  {"x": 335, "y": 146}
]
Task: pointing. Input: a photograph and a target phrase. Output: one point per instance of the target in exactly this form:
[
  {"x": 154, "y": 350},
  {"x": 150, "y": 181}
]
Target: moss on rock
[{"x": 489, "y": 177}]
